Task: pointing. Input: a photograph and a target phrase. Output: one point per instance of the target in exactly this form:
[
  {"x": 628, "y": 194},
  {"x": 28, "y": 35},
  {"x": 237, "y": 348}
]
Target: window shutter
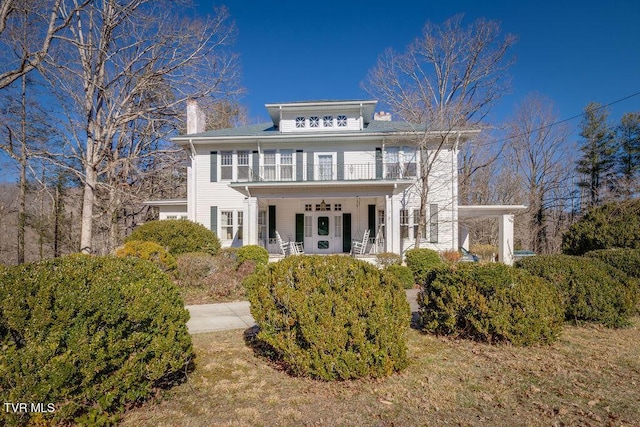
[
  {"x": 255, "y": 175},
  {"x": 272, "y": 221},
  {"x": 299, "y": 167},
  {"x": 433, "y": 223},
  {"x": 340, "y": 165},
  {"x": 214, "y": 219},
  {"x": 214, "y": 166},
  {"x": 309, "y": 165}
]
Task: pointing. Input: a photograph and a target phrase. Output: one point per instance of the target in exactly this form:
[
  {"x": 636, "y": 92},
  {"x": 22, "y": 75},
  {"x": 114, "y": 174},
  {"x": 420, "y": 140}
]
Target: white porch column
[
  {"x": 463, "y": 231},
  {"x": 505, "y": 239},
  {"x": 250, "y": 225},
  {"x": 392, "y": 227}
]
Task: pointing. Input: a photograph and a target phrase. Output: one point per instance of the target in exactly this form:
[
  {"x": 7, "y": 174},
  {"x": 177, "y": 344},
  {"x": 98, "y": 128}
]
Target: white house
[{"x": 322, "y": 173}]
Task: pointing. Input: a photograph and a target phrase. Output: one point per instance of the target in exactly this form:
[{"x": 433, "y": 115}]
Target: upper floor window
[
  {"x": 342, "y": 121},
  {"x": 300, "y": 122},
  {"x": 327, "y": 121},
  {"x": 243, "y": 165},
  {"x": 314, "y": 121},
  {"x": 226, "y": 165},
  {"x": 286, "y": 165},
  {"x": 270, "y": 165},
  {"x": 410, "y": 161}
]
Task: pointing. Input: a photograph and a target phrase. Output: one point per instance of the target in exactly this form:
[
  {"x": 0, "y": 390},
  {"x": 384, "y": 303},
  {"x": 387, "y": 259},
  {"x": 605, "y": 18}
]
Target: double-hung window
[
  {"x": 404, "y": 224},
  {"x": 410, "y": 161},
  {"x": 226, "y": 225},
  {"x": 393, "y": 162},
  {"x": 325, "y": 167},
  {"x": 243, "y": 166},
  {"x": 286, "y": 165},
  {"x": 270, "y": 165},
  {"x": 226, "y": 165}
]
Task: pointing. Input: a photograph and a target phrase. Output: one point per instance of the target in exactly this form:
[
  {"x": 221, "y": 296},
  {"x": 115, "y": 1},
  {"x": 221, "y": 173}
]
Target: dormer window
[
  {"x": 342, "y": 121},
  {"x": 300, "y": 122},
  {"x": 327, "y": 121},
  {"x": 314, "y": 121}
]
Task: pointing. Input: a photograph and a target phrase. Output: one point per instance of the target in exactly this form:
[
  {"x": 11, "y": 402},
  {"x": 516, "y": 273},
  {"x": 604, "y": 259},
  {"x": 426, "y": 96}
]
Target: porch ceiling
[
  {"x": 484, "y": 211},
  {"x": 297, "y": 189}
]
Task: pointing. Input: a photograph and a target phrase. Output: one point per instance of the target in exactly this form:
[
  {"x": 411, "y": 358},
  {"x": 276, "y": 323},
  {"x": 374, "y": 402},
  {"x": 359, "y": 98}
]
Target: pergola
[{"x": 505, "y": 214}]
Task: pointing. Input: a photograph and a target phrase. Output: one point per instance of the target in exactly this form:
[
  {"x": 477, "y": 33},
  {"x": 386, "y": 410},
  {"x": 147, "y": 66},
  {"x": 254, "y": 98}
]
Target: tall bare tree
[
  {"x": 447, "y": 79},
  {"x": 132, "y": 66},
  {"x": 539, "y": 152},
  {"x": 47, "y": 18}
]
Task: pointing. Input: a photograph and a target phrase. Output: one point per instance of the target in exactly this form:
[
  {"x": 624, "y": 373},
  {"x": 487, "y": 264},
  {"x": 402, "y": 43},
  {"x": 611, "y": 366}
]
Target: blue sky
[{"x": 573, "y": 52}]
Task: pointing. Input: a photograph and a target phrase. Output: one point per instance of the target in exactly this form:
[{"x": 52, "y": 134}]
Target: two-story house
[{"x": 321, "y": 173}]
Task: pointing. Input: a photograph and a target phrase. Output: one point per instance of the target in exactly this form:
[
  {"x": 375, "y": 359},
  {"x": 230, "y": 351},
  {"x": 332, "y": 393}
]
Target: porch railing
[{"x": 347, "y": 172}]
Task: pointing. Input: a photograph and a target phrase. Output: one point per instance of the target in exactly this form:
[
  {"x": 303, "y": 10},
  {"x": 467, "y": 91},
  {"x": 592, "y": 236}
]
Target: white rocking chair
[
  {"x": 281, "y": 244},
  {"x": 359, "y": 247},
  {"x": 296, "y": 248}
]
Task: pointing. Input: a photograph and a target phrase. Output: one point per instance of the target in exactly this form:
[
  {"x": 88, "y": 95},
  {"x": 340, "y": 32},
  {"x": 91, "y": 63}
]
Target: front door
[{"x": 324, "y": 232}]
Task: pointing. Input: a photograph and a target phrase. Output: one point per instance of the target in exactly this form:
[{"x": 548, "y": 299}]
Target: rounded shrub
[
  {"x": 92, "y": 335},
  {"x": 421, "y": 261},
  {"x": 255, "y": 253},
  {"x": 403, "y": 274},
  {"x": 150, "y": 251},
  {"x": 331, "y": 317},
  {"x": 614, "y": 225},
  {"x": 192, "y": 267},
  {"x": 627, "y": 260},
  {"x": 178, "y": 236},
  {"x": 492, "y": 303},
  {"x": 592, "y": 290}
]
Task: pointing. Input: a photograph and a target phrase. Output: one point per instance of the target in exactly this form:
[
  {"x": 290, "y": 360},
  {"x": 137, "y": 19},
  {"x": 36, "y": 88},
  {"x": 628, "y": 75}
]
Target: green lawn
[{"x": 590, "y": 376}]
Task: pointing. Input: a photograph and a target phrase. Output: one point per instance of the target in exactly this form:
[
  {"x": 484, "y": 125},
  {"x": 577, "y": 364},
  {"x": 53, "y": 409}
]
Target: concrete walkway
[{"x": 236, "y": 315}]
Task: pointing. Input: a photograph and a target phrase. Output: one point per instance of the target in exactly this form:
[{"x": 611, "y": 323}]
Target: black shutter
[
  {"x": 372, "y": 220},
  {"x": 299, "y": 227},
  {"x": 272, "y": 221},
  {"x": 346, "y": 232},
  {"x": 214, "y": 166},
  {"x": 214, "y": 219}
]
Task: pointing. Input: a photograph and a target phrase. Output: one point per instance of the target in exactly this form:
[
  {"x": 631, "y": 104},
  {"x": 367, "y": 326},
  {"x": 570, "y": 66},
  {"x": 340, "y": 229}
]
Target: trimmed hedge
[
  {"x": 627, "y": 260},
  {"x": 492, "y": 303},
  {"x": 403, "y": 274},
  {"x": 421, "y": 261},
  {"x": 254, "y": 253},
  {"x": 92, "y": 335},
  {"x": 592, "y": 290},
  {"x": 331, "y": 317},
  {"x": 150, "y": 251},
  {"x": 178, "y": 236},
  {"x": 614, "y": 225}
]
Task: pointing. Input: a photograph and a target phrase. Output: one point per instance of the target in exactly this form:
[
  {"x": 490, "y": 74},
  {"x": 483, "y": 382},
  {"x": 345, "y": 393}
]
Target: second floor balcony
[{"x": 328, "y": 172}]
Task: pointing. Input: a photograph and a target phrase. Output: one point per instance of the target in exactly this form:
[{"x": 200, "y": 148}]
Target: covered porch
[
  {"x": 505, "y": 215},
  {"x": 323, "y": 217}
]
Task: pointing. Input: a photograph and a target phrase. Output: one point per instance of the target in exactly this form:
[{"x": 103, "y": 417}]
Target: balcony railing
[{"x": 348, "y": 172}]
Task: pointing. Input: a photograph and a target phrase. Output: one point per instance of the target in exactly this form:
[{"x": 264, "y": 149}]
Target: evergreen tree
[
  {"x": 596, "y": 165},
  {"x": 628, "y": 158}
]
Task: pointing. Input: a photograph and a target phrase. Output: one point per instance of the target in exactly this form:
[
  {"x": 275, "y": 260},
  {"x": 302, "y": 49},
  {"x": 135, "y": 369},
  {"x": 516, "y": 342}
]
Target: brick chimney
[
  {"x": 196, "y": 120},
  {"x": 382, "y": 116}
]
